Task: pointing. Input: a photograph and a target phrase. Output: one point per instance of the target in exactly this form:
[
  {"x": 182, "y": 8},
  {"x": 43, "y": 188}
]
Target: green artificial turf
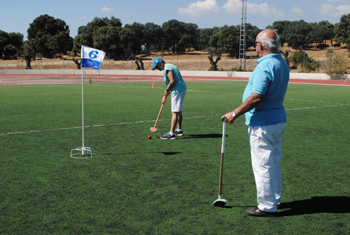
[{"x": 136, "y": 185}]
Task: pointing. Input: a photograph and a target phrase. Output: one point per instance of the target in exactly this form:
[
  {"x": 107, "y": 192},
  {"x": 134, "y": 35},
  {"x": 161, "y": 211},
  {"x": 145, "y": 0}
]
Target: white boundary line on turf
[
  {"x": 91, "y": 126},
  {"x": 317, "y": 107},
  {"x": 317, "y": 101},
  {"x": 137, "y": 122}
]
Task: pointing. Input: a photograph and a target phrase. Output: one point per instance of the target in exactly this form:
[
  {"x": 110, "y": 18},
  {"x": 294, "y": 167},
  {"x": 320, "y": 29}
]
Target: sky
[{"x": 17, "y": 15}]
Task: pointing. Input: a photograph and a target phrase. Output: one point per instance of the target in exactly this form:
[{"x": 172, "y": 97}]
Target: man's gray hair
[{"x": 270, "y": 44}]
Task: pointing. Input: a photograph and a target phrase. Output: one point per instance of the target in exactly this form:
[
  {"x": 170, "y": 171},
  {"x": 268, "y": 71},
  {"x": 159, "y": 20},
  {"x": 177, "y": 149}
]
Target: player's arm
[
  {"x": 172, "y": 82},
  {"x": 251, "y": 102}
]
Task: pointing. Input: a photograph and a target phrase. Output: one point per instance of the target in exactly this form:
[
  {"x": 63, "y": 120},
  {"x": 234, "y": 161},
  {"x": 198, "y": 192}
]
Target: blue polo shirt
[
  {"x": 180, "y": 85},
  {"x": 270, "y": 79}
]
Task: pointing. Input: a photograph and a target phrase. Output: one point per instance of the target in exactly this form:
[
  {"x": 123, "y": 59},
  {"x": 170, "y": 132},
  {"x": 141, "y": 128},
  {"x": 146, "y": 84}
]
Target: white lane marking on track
[{"x": 138, "y": 122}]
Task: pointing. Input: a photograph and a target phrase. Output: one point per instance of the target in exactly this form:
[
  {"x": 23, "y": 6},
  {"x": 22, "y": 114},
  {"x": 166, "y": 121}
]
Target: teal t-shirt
[
  {"x": 270, "y": 78},
  {"x": 180, "y": 85}
]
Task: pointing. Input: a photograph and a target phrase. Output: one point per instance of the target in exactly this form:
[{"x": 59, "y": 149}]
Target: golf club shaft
[
  {"x": 221, "y": 168},
  {"x": 222, "y": 155},
  {"x": 161, "y": 107}
]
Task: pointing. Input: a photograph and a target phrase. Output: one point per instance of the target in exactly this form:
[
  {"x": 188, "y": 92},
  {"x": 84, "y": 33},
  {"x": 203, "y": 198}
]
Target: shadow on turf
[
  {"x": 230, "y": 207},
  {"x": 133, "y": 153},
  {"x": 202, "y": 136},
  {"x": 170, "y": 153},
  {"x": 316, "y": 205}
]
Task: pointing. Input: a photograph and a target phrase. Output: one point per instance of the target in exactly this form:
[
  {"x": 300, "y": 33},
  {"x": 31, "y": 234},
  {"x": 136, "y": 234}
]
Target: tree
[
  {"x": 172, "y": 30},
  {"x": 342, "y": 30},
  {"x": 213, "y": 64},
  {"x": 226, "y": 39},
  {"x": 16, "y": 39},
  {"x": 229, "y": 39},
  {"x": 327, "y": 30},
  {"x": 126, "y": 38},
  {"x": 87, "y": 34},
  {"x": 153, "y": 37},
  {"x": 4, "y": 41},
  {"x": 204, "y": 38},
  {"x": 189, "y": 37},
  {"x": 10, "y": 51},
  {"x": 180, "y": 35},
  {"x": 28, "y": 52},
  {"x": 280, "y": 27},
  {"x": 107, "y": 38},
  {"x": 49, "y": 35},
  {"x": 60, "y": 43},
  {"x": 139, "y": 38},
  {"x": 321, "y": 32},
  {"x": 297, "y": 34},
  {"x": 251, "y": 33},
  {"x": 303, "y": 61},
  {"x": 214, "y": 39},
  {"x": 336, "y": 65},
  {"x": 132, "y": 39},
  {"x": 10, "y": 44},
  {"x": 81, "y": 39},
  {"x": 139, "y": 63},
  {"x": 316, "y": 34}
]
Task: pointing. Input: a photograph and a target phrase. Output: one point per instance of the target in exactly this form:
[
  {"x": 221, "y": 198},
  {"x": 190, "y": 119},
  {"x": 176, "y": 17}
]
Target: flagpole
[
  {"x": 90, "y": 57},
  {"x": 82, "y": 113}
]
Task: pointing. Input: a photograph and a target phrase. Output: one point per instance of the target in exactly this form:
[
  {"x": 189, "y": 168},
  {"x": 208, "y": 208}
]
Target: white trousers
[{"x": 265, "y": 149}]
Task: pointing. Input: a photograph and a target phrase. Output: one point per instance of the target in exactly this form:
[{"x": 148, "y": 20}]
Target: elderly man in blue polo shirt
[{"x": 266, "y": 118}]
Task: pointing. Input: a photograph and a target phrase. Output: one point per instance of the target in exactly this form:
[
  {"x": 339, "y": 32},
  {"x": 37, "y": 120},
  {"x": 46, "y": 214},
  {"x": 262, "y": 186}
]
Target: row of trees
[
  {"x": 300, "y": 34},
  {"x": 49, "y": 36}
]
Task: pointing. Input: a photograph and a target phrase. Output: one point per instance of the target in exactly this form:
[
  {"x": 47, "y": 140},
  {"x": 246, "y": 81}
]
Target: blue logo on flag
[{"x": 93, "y": 54}]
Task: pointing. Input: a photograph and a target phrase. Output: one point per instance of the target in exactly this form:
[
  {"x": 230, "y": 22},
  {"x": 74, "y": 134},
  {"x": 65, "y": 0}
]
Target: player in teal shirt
[
  {"x": 180, "y": 85},
  {"x": 175, "y": 85}
]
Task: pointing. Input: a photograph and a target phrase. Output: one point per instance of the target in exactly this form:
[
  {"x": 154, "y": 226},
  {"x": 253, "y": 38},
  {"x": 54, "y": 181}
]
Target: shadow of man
[
  {"x": 203, "y": 136},
  {"x": 316, "y": 205}
]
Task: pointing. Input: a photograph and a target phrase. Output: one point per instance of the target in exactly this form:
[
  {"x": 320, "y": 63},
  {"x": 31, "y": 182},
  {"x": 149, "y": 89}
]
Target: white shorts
[{"x": 176, "y": 101}]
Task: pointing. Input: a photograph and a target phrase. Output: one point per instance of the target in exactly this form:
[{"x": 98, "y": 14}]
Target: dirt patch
[{"x": 191, "y": 61}]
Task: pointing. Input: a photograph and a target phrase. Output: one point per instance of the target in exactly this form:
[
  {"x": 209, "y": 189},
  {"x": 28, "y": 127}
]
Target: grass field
[{"x": 136, "y": 185}]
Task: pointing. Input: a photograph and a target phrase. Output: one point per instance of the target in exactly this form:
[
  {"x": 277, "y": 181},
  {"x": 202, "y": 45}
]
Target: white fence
[{"x": 316, "y": 76}]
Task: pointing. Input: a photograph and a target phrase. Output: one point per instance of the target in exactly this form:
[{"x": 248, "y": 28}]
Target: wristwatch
[{"x": 234, "y": 115}]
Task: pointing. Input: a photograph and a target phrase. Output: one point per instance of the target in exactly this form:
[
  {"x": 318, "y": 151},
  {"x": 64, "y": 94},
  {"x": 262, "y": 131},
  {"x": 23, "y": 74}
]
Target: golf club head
[
  {"x": 153, "y": 129},
  {"x": 220, "y": 202}
]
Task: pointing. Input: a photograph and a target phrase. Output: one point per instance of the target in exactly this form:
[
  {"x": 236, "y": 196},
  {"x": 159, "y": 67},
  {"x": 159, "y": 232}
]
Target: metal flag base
[{"x": 81, "y": 153}]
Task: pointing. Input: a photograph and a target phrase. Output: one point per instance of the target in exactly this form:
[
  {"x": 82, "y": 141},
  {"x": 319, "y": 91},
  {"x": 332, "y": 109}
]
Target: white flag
[{"x": 91, "y": 57}]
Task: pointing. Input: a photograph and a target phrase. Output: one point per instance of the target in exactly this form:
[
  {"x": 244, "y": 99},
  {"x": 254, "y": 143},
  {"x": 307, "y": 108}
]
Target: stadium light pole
[{"x": 242, "y": 38}]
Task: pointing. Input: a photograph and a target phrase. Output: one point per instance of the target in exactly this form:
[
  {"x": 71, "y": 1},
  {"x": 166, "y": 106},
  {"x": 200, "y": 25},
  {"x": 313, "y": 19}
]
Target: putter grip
[
  {"x": 164, "y": 99},
  {"x": 223, "y": 136}
]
